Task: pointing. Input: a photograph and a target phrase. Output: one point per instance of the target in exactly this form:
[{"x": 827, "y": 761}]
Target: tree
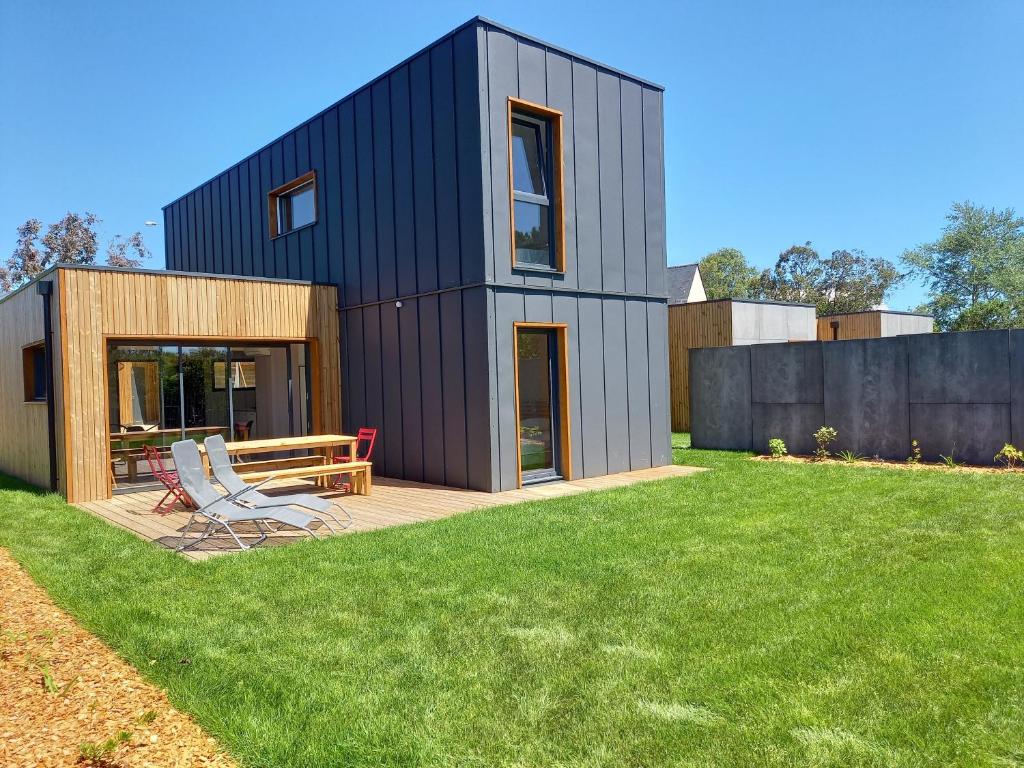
[
  {"x": 975, "y": 270},
  {"x": 726, "y": 274},
  {"x": 120, "y": 248},
  {"x": 846, "y": 281},
  {"x": 72, "y": 240}
]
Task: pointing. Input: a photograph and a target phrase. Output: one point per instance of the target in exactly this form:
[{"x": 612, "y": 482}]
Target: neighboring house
[
  {"x": 873, "y": 324},
  {"x": 492, "y": 212},
  {"x": 99, "y": 362},
  {"x": 685, "y": 285},
  {"x": 725, "y": 323}
]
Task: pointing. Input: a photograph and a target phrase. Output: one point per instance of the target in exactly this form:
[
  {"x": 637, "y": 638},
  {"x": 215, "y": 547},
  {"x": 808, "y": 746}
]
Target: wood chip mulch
[
  {"x": 872, "y": 462},
  {"x": 68, "y": 700}
]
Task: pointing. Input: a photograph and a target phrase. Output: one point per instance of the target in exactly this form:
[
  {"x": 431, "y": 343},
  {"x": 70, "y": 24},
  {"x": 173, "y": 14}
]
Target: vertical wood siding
[
  {"x": 97, "y": 305},
  {"x": 702, "y": 324},
  {"x": 23, "y": 447},
  {"x": 858, "y": 325}
]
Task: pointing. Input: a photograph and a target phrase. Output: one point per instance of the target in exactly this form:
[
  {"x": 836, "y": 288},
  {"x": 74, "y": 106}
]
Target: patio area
[{"x": 393, "y": 502}]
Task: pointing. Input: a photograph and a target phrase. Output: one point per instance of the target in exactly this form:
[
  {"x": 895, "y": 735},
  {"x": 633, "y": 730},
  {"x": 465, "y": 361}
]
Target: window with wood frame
[
  {"x": 293, "y": 205},
  {"x": 33, "y": 363},
  {"x": 535, "y": 186}
]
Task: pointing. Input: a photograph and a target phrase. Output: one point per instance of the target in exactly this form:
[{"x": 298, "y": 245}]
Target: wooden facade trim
[
  {"x": 691, "y": 326},
  {"x": 555, "y": 118},
  {"x": 856, "y": 325},
  {"x": 565, "y": 435}
]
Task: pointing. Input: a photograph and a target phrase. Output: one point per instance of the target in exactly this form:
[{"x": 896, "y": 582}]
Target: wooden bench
[
  {"x": 359, "y": 470},
  {"x": 286, "y": 463}
]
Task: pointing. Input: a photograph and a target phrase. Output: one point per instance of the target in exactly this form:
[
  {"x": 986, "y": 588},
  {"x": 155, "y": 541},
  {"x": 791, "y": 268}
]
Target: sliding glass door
[{"x": 160, "y": 394}]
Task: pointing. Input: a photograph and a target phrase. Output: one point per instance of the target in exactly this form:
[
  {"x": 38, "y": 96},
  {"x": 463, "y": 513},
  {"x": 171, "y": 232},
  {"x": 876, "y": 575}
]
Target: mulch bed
[
  {"x": 866, "y": 462},
  {"x": 68, "y": 700}
]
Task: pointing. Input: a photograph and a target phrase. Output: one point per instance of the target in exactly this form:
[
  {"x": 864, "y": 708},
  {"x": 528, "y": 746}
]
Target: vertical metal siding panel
[
  {"x": 412, "y": 396},
  {"x": 615, "y": 384},
  {"x": 433, "y": 401},
  {"x": 277, "y": 179},
  {"x": 469, "y": 156},
  {"x": 638, "y": 384},
  {"x": 349, "y": 422},
  {"x": 446, "y": 190},
  {"x": 292, "y": 252},
  {"x": 592, "y": 395},
  {"x": 235, "y": 208},
  {"x": 384, "y": 201},
  {"x": 654, "y": 191},
  {"x": 588, "y": 183},
  {"x": 423, "y": 173},
  {"x": 320, "y": 252},
  {"x": 533, "y": 87},
  {"x": 478, "y": 424},
  {"x": 405, "y": 220},
  {"x": 483, "y": 120},
  {"x": 657, "y": 356},
  {"x": 190, "y": 232},
  {"x": 563, "y": 310},
  {"x": 352, "y": 281},
  {"x": 245, "y": 220},
  {"x": 168, "y": 234},
  {"x": 220, "y": 219},
  {"x": 537, "y": 307},
  {"x": 509, "y": 307},
  {"x": 492, "y": 389},
  {"x": 209, "y": 255},
  {"x": 268, "y": 265},
  {"x": 373, "y": 363},
  {"x": 302, "y": 242},
  {"x": 633, "y": 188},
  {"x": 391, "y": 358},
  {"x": 214, "y": 219},
  {"x": 331, "y": 271},
  {"x": 559, "y": 87},
  {"x": 609, "y": 140},
  {"x": 364, "y": 174},
  {"x": 354, "y": 381},
  {"x": 502, "y": 82},
  {"x": 454, "y": 389}
]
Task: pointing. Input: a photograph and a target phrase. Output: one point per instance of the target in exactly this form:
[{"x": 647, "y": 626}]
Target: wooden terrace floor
[{"x": 393, "y": 502}]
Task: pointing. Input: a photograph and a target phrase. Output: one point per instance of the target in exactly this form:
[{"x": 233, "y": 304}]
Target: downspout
[{"x": 45, "y": 289}]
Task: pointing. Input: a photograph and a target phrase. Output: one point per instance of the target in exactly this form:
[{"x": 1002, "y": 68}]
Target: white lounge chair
[
  {"x": 220, "y": 463},
  {"x": 222, "y": 511}
]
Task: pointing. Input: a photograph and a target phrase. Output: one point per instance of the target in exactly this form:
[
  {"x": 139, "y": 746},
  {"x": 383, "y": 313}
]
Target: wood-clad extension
[
  {"x": 23, "y": 448},
  {"x": 97, "y": 306},
  {"x": 702, "y": 324}
]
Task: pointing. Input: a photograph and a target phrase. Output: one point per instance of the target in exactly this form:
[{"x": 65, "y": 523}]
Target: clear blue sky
[{"x": 850, "y": 124}]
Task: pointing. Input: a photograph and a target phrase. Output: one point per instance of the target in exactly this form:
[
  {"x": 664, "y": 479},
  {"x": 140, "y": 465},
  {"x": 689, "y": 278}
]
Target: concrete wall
[
  {"x": 756, "y": 322},
  {"x": 959, "y": 393},
  {"x": 904, "y": 324}
]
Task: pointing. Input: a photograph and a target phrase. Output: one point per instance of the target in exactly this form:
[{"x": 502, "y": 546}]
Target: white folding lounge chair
[
  {"x": 220, "y": 463},
  {"x": 221, "y": 511}
]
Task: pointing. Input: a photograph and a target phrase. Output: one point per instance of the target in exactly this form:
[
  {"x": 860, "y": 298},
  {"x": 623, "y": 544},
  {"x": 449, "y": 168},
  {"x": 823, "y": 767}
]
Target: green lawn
[{"x": 757, "y": 614}]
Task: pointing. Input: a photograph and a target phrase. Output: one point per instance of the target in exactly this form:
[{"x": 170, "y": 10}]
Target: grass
[{"x": 758, "y": 614}]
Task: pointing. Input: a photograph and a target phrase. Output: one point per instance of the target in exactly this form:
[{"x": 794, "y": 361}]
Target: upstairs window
[
  {"x": 535, "y": 173},
  {"x": 33, "y": 359},
  {"x": 293, "y": 205}
]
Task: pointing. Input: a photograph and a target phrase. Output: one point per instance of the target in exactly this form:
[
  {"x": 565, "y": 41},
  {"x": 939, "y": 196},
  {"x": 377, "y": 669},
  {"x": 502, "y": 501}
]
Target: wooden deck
[{"x": 393, "y": 502}]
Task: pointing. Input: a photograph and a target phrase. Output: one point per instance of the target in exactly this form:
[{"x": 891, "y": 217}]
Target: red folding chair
[
  {"x": 365, "y": 439},
  {"x": 169, "y": 480}
]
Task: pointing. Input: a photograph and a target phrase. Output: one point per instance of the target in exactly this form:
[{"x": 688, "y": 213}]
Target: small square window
[
  {"x": 293, "y": 205},
  {"x": 33, "y": 360}
]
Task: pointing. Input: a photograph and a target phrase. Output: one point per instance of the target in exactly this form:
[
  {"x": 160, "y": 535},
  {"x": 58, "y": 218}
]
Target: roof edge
[
  {"x": 880, "y": 312},
  {"x": 474, "y": 21}
]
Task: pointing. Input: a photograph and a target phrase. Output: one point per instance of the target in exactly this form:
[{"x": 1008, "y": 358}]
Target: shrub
[
  {"x": 777, "y": 448},
  {"x": 1010, "y": 456},
  {"x": 950, "y": 461},
  {"x": 915, "y": 453},
  {"x": 850, "y": 457},
  {"x": 824, "y": 437}
]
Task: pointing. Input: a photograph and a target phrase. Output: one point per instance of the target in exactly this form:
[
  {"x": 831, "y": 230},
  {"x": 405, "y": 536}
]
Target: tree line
[
  {"x": 71, "y": 240},
  {"x": 974, "y": 273}
]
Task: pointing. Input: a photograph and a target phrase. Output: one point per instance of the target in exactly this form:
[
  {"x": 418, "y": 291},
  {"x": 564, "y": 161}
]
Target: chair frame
[
  {"x": 364, "y": 433},
  {"x": 169, "y": 479}
]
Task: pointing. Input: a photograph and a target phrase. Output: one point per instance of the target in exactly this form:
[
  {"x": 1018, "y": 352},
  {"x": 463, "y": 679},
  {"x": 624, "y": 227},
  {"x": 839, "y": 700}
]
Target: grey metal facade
[
  {"x": 413, "y": 200},
  {"x": 955, "y": 393}
]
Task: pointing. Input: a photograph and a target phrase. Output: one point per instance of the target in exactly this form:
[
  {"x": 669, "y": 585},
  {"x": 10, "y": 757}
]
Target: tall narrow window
[
  {"x": 535, "y": 173},
  {"x": 293, "y": 205},
  {"x": 33, "y": 361}
]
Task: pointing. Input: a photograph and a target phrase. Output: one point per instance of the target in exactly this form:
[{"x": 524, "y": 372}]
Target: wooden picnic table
[
  {"x": 319, "y": 443},
  {"x": 143, "y": 435}
]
